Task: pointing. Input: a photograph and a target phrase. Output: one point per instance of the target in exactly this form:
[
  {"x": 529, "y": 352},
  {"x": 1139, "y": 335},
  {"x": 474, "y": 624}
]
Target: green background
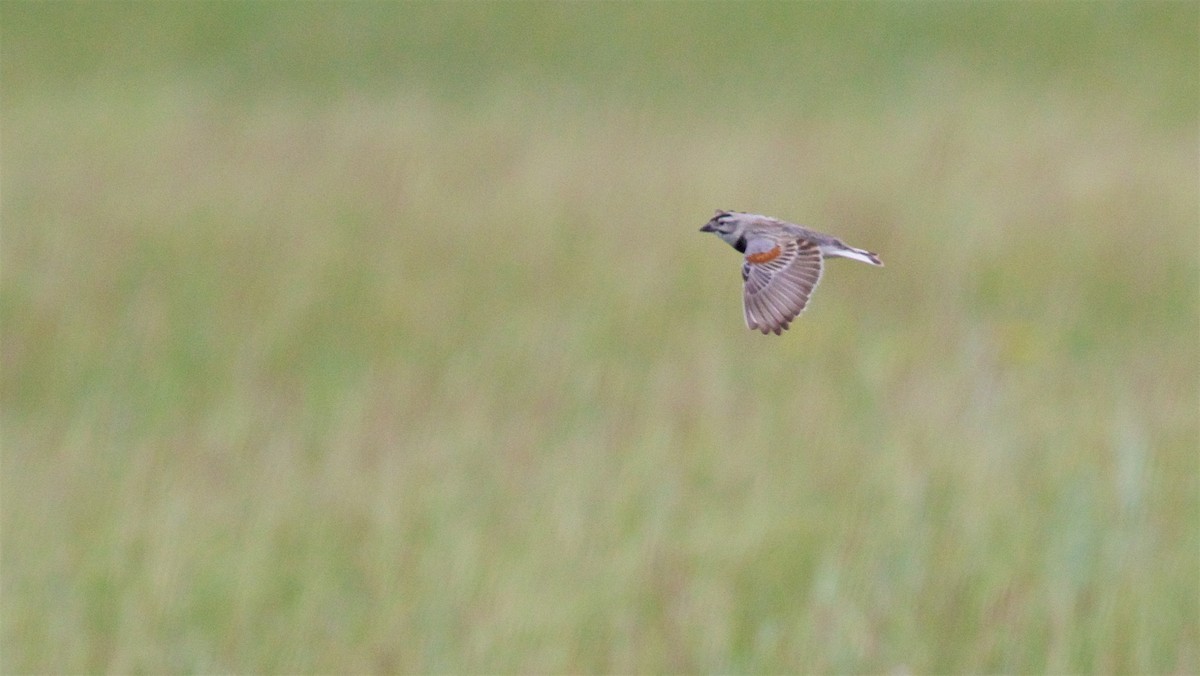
[{"x": 372, "y": 337}]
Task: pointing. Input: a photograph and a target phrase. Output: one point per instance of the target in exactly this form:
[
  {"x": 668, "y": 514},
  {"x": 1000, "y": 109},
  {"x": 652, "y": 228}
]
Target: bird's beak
[{"x": 708, "y": 227}]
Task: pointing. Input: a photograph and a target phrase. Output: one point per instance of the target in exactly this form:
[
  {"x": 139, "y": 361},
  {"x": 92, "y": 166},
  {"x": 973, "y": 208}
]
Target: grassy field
[{"x": 380, "y": 338}]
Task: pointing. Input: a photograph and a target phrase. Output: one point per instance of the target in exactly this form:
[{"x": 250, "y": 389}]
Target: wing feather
[{"x": 778, "y": 289}]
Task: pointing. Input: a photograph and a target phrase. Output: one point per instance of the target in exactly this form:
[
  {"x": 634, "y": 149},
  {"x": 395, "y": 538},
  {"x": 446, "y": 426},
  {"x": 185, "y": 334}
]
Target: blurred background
[{"x": 374, "y": 337}]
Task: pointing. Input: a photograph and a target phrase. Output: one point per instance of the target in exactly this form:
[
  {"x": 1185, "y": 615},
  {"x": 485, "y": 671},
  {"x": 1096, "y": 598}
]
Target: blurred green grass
[{"x": 380, "y": 337}]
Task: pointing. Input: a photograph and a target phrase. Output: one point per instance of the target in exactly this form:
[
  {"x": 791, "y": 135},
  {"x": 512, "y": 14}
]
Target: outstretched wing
[{"x": 779, "y": 279}]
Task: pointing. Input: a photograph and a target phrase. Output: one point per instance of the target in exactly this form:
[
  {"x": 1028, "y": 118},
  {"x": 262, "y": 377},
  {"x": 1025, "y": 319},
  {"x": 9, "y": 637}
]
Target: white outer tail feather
[{"x": 855, "y": 254}]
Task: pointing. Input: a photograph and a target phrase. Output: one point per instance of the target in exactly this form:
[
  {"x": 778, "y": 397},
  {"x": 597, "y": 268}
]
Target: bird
[{"x": 783, "y": 264}]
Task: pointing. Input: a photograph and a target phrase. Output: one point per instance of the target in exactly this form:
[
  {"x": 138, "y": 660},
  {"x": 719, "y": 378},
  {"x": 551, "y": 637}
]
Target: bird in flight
[{"x": 783, "y": 264}]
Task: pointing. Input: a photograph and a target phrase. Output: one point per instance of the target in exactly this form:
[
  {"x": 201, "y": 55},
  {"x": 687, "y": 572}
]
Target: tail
[{"x": 850, "y": 252}]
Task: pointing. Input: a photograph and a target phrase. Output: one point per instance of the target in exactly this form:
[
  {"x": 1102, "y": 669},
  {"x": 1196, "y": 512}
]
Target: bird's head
[{"x": 729, "y": 226}]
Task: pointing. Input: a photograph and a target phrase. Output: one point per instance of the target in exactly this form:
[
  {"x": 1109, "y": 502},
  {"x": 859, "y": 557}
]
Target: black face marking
[{"x": 740, "y": 244}]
